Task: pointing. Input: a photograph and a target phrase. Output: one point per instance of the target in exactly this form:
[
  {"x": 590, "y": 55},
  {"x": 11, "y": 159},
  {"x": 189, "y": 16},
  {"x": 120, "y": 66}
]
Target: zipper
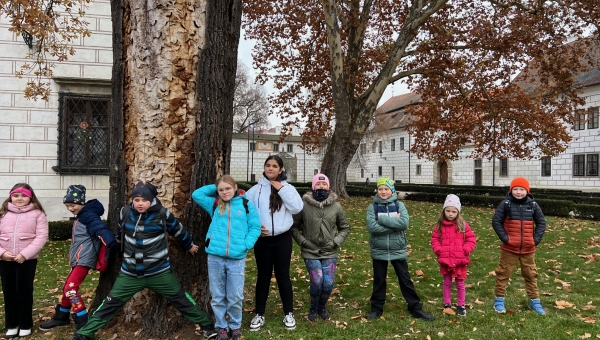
[
  {"x": 521, "y": 222},
  {"x": 228, "y": 230},
  {"x": 387, "y": 208},
  {"x": 15, "y": 234}
]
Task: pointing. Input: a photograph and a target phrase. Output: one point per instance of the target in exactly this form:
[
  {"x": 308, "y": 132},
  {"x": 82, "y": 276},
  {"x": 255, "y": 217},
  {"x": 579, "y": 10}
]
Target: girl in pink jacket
[
  {"x": 452, "y": 241},
  {"x": 23, "y": 233}
]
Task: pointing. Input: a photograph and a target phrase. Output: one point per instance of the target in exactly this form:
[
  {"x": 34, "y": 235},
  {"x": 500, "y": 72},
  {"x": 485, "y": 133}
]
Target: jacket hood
[
  {"x": 390, "y": 199},
  {"x": 93, "y": 206},
  {"x": 154, "y": 206},
  {"x": 15, "y": 209},
  {"x": 264, "y": 181},
  {"x": 329, "y": 201},
  {"x": 526, "y": 199}
]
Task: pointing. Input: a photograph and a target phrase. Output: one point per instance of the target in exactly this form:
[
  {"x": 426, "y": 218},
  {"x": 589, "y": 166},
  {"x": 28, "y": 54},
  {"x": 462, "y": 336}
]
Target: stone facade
[
  {"x": 248, "y": 161},
  {"x": 403, "y": 166},
  {"x": 28, "y": 128}
]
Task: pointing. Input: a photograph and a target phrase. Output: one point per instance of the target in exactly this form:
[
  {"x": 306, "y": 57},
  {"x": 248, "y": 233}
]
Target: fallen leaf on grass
[
  {"x": 449, "y": 311},
  {"x": 589, "y": 319},
  {"x": 563, "y": 304},
  {"x": 479, "y": 302},
  {"x": 585, "y": 336},
  {"x": 419, "y": 273}
]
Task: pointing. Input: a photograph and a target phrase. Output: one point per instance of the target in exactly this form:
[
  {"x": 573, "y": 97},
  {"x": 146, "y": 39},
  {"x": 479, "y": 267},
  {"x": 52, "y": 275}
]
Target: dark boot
[
  {"x": 79, "y": 337},
  {"x": 59, "y": 319},
  {"x": 80, "y": 321}
]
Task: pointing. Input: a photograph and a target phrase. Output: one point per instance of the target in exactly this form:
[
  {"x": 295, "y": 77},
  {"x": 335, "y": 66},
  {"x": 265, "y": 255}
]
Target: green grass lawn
[{"x": 569, "y": 277}]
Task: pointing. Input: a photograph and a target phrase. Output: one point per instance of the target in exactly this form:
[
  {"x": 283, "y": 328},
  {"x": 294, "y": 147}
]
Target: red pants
[{"x": 71, "y": 298}]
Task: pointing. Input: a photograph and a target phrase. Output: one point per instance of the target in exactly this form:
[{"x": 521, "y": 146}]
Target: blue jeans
[
  {"x": 322, "y": 276},
  {"x": 226, "y": 279}
]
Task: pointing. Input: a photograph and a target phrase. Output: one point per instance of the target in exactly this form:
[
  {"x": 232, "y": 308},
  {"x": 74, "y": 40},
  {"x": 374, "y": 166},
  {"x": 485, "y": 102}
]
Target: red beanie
[{"x": 519, "y": 182}]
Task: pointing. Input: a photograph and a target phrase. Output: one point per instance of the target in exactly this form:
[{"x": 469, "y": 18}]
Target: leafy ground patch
[{"x": 569, "y": 282}]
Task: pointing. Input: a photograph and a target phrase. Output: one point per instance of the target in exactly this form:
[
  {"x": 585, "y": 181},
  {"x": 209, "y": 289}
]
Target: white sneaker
[
  {"x": 257, "y": 322},
  {"x": 12, "y": 333},
  {"x": 289, "y": 321},
  {"x": 24, "y": 332}
]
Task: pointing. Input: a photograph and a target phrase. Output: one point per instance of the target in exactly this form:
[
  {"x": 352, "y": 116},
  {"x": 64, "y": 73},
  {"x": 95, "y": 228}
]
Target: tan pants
[{"x": 506, "y": 266}]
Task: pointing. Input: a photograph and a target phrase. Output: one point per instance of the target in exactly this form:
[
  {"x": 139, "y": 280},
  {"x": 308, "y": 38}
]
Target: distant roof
[
  {"x": 583, "y": 79},
  {"x": 399, "y": 102},
  {"x": 393, "y": 114}
]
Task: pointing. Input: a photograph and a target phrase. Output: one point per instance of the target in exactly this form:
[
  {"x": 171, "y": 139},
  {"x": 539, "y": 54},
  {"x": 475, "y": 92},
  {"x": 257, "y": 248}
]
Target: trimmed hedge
[
  {"x": 550, "y": 207},
  {"x": 60, "y": 230}
]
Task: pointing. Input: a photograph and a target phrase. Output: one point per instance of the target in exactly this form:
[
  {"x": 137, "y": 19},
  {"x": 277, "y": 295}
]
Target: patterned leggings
[{"x": 322, "y": 276}]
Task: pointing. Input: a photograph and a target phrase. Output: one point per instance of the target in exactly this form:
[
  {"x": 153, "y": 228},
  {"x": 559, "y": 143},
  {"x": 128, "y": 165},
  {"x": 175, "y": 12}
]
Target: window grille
[{"x": 83, "y": 135}]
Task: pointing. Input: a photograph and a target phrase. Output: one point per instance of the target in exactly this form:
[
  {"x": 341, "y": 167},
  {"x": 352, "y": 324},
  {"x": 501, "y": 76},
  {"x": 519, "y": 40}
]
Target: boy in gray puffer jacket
[{"x": 89, "y": 235}]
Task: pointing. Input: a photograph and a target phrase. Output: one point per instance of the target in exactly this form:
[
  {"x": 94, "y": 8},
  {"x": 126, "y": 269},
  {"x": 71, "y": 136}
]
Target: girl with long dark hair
[{"x": 276, "y": 202}]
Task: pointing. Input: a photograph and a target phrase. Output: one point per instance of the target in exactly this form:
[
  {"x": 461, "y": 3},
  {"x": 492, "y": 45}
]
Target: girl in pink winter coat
[
  {"x": 452, "y": 241},
  {"x": 23, "y": 233}
]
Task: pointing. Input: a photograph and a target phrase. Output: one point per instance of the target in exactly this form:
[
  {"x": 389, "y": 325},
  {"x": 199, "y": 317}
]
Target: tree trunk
[
  {"x": 351, "y": 123},
  {"x": 173, "y": 81}
]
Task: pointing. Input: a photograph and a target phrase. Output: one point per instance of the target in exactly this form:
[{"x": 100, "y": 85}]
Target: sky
[{"x": 245, "y": 55}]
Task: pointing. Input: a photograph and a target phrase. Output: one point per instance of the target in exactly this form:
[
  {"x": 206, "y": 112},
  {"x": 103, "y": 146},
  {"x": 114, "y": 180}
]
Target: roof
[
  {"x": 582, "y": 79},
  {"x": 393, "y": 114}
]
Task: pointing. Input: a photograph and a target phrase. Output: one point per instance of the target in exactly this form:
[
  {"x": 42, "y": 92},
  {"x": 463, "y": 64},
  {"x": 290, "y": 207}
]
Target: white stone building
[
  {"x": 64, "y": 141},
  {"x": 386, "y": 154},
  {"x": 249, "y": 152},
  {"x": 37, "y": 137}
]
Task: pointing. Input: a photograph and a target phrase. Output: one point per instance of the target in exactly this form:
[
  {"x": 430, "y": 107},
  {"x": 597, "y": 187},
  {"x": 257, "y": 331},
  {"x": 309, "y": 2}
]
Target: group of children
[{"x": 265, "y": 219}]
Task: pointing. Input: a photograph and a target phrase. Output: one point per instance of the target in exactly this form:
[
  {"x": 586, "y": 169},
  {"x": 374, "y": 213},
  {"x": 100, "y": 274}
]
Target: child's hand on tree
[{"x": 193, "y": 250}]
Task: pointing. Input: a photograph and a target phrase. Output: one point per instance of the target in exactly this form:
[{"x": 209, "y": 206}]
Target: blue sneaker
[
  {"x": 499, "y": 305},
  {"x": 536, "y": 306}
]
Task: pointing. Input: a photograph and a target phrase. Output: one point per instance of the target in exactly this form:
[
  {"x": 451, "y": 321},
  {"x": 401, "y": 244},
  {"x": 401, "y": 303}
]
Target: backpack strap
[
  {"x": 163, "y": 216},
  {"x": 123, "y": 214},
  {"x": 376, "y": 209},
  {"x": 244, "y": 202}
]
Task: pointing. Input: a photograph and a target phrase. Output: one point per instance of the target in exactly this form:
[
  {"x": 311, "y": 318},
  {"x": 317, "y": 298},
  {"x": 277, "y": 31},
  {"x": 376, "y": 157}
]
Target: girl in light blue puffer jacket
[{"x": 234, "y": 229}]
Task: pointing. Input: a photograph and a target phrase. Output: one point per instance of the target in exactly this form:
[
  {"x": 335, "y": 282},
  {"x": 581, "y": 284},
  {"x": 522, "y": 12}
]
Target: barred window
[
  {"x": 83, "y": 144},
  {"x": 290, "y": 148},
  {"x": 275, "y": 147},
  {"x": 393, "y": 145},
  {"x": 418, "y": 169},
  {"x": 401, "y": 143},
  {"x": 478, "y": 163}
]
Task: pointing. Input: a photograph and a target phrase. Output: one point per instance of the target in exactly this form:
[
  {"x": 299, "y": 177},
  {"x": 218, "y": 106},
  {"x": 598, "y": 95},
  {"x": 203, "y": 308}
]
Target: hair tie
[{"x": 23, "y": 191}]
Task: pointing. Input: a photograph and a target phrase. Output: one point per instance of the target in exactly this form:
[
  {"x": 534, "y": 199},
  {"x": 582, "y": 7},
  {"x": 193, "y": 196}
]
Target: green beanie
[{"x": 387, "y": 182}]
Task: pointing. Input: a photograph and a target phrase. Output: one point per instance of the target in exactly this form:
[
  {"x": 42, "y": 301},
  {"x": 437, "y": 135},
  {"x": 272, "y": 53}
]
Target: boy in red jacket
[{"x": 520, "y": 225}]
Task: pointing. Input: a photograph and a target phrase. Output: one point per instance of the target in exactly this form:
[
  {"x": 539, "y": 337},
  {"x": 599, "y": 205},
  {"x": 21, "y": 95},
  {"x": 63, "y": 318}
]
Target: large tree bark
[{"x": 173, "y": 82}]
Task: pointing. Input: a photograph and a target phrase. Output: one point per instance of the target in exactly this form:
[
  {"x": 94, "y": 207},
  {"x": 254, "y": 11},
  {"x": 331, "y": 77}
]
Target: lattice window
[
  {"x": 546, "y": 166},
  {"x": 83, "y": 144}
]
